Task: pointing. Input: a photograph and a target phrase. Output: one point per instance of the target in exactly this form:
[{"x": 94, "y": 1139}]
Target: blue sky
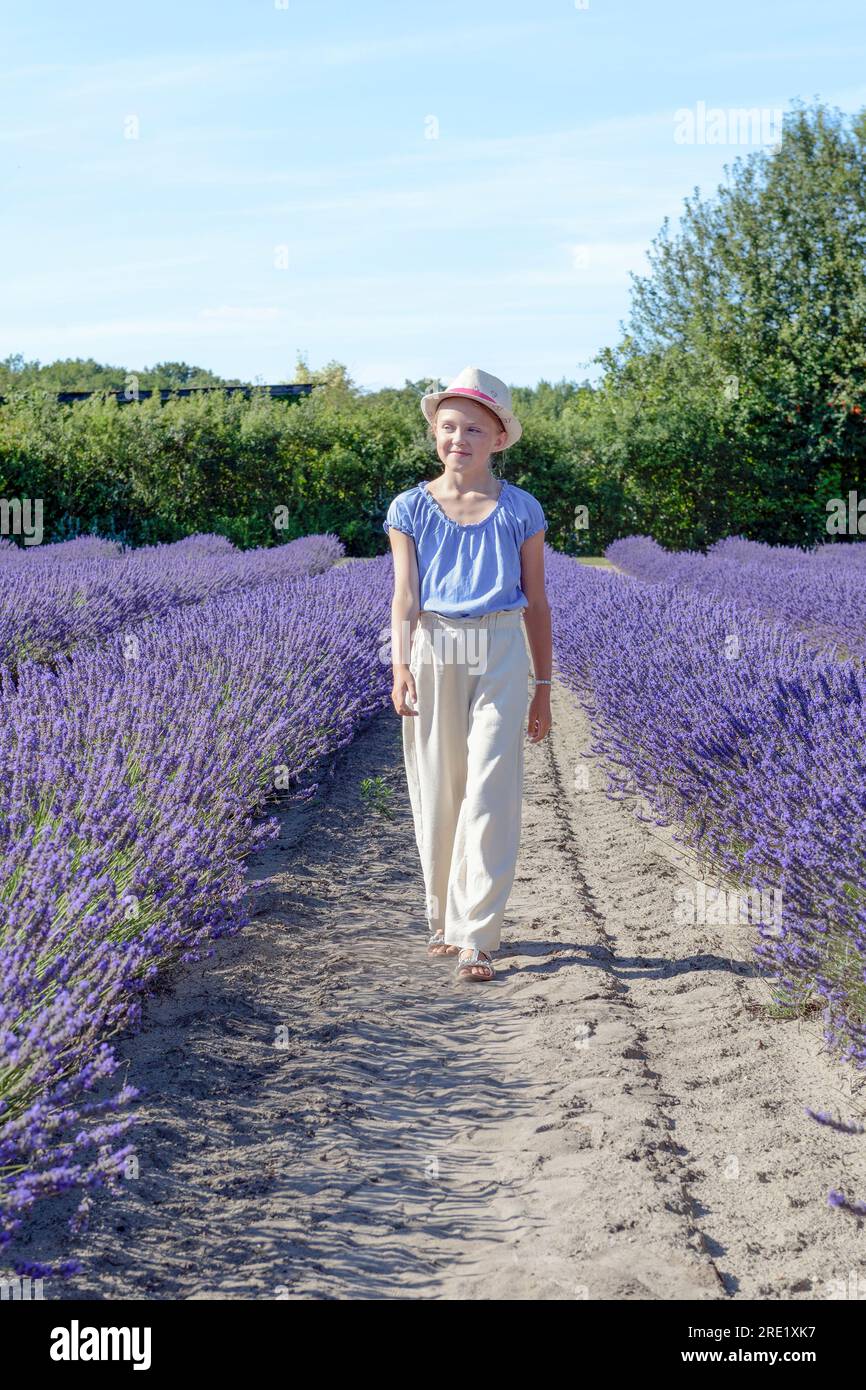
[{"x": 401, "y": 187}]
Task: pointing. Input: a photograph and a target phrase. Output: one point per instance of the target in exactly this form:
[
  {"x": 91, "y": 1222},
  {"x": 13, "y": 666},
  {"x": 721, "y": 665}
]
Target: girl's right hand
[{"x": 403, "y": 689}]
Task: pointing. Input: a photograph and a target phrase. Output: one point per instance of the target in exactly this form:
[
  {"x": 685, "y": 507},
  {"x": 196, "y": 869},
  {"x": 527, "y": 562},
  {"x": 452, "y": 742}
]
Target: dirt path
[{"x": 614, "y": 1117}]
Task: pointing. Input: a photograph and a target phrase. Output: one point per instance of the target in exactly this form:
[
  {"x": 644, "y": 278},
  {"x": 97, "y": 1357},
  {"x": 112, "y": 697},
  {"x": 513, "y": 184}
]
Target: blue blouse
[{"x": 468, "y": 569}]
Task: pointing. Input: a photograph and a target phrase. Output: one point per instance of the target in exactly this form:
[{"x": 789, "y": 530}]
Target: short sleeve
[
  {"x": 534, "y": 519},
  {"x": 397, "y": 516}
]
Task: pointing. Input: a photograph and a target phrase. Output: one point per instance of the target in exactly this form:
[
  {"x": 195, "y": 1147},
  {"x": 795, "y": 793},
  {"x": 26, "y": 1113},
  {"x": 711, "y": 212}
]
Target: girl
[{"x": 468, "y": 556}]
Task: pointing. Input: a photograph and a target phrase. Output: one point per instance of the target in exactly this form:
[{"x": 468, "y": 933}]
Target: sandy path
[{"x": 614, "y": 1117}]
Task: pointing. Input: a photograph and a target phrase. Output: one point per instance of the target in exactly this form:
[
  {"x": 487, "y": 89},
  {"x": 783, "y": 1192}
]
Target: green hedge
[
  {"x": 657, "y": 449},
  {"x": 144, "y": 471}
]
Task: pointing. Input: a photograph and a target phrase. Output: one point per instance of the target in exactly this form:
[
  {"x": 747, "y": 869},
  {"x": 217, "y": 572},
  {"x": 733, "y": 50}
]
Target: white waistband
[{"x": 499, "y": 614}]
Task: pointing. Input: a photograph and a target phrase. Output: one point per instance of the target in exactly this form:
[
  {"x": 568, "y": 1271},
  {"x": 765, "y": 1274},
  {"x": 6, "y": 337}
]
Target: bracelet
[{"x": 538, "y": 682}]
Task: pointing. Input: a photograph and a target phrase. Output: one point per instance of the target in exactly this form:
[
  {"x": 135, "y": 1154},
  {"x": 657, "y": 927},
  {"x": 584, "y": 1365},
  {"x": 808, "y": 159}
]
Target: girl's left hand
[{"x": 539, "y": 714}]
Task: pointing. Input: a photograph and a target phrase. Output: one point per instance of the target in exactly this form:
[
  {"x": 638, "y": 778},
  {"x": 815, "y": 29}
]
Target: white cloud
[{"x": 302, "y": 60}]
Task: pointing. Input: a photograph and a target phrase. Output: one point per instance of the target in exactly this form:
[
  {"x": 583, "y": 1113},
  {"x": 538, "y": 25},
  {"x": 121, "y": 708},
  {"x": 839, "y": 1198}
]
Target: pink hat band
[{"x": 470, "y": 391}]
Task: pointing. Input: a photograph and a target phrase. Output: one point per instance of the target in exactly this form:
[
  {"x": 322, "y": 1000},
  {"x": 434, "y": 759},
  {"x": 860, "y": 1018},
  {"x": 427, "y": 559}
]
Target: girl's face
[{"x": 466, "y": 434}]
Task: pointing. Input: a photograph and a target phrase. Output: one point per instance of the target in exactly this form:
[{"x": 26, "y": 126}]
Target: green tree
[
  {"x": 742, "y": 381},
  {"x": 85, "y": 374}
]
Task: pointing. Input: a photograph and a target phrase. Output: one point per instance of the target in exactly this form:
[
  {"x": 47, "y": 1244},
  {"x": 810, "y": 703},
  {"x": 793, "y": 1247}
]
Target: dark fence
[{"x": 165, "y": 392}]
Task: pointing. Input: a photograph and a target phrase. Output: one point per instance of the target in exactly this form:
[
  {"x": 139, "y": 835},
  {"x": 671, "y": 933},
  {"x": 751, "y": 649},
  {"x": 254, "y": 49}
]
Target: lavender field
[
  {"x": 53, "y": 597},
  {"x": 820, "y": 593},
  {"x": 199, "y": 686},
  {"x": 743, "y": 735},
  {"x": 134, "y": 775}
]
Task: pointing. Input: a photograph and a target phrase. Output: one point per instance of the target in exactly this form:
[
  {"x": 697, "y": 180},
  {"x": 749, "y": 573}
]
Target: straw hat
[{"x": 482, "y": 387}]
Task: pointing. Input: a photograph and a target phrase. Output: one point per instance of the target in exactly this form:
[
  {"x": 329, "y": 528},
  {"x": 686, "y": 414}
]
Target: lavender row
[
  {"x": 753, "y": 744},
  {"x": 820, "y": 592},
  {"x": 54, "y": 597},
  {"x": 130, "y": 785}
]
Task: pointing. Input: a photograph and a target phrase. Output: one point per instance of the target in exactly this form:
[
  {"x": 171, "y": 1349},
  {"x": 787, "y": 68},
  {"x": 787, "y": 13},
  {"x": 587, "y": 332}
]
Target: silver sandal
[
  {"x": 474, "y": 959},
  {"x": 438, "y": 939}
]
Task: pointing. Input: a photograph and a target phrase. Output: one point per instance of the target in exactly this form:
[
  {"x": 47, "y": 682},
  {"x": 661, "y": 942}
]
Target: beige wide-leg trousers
[{"x": 464, "y": 755}]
